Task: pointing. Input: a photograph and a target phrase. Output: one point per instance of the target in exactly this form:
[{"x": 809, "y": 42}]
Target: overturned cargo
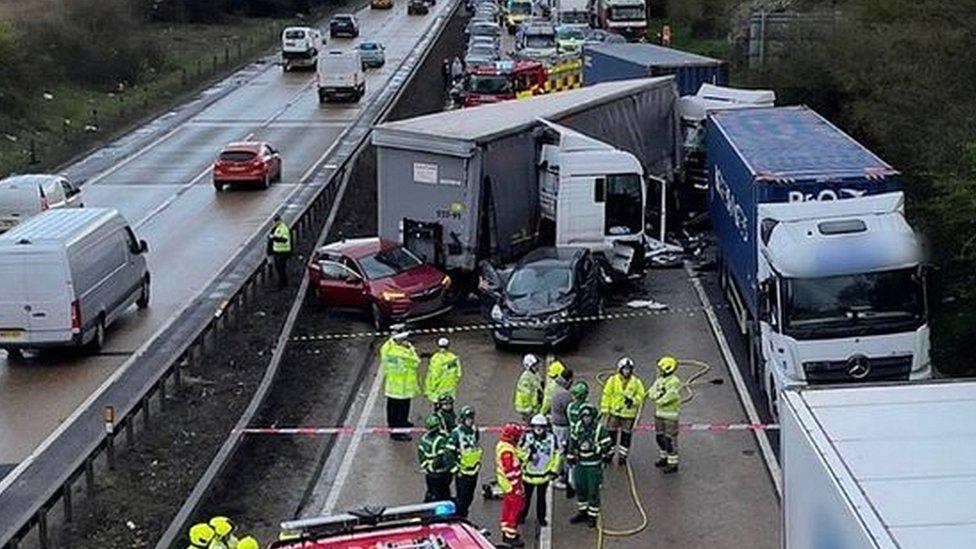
[{"x": 461, "y": 186}]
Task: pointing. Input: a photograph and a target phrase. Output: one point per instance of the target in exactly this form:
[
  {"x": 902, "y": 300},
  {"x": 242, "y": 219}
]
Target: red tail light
[{"x": 76, "y": 317}]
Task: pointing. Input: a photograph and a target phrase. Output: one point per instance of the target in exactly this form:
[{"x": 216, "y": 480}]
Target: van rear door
[
  {"x": 49, "y": 297},
  {"x": 14, "y": 318}
]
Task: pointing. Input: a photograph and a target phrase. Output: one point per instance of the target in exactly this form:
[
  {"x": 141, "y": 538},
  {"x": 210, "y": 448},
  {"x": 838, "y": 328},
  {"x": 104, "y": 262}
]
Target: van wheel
[
  {"x": 14, "y": 354},
  {"x": 380, "y": 322},
  {"x": 98, "y": 341},
  {"x": 143, "y": 300}
]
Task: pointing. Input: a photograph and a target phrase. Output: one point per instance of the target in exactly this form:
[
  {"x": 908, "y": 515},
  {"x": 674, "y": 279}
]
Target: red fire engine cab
[
  {"x": 501, "y": 81},
  {"x": 421, "y": 526}
]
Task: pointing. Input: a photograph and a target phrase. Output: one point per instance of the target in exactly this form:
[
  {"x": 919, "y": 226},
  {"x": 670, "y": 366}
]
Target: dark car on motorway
[
  {"x": 417, "y": 7},
  {"x": 547, "y": 286},
  {"x": 343, "y": 24},
  {"x": 379, "y": 277}
]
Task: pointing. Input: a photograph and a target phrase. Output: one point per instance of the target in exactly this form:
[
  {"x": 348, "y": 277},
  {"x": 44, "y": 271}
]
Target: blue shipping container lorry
[
  {"x": 609, "y": 62},
  {"x": 823, "y": 272}
]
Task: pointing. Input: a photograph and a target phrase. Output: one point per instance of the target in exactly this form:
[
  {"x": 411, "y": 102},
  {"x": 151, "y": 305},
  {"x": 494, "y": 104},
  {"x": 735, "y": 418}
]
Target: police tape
[
  {"x": 714, "y": 427},
  {"x": 490, "y": 326}
]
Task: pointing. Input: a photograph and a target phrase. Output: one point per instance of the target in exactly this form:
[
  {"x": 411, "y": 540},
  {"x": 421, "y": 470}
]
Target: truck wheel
[
  {"x": 754, "y": 360},
  {"x": 97, "y": 342},
  {"x": 143, "y": 300}
]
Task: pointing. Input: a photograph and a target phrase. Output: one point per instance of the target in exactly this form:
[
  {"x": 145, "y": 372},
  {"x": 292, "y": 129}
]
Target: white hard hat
[
  {"x": 625, "y": 362},
  {"x": 539, "y": 420},
  {"x": 443, "y": 342},
  {"x": 529, "y": 360}
]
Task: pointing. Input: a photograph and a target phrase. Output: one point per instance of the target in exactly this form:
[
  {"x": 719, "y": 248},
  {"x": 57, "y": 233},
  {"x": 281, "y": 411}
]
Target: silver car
[{"x": 373, "y": 54}]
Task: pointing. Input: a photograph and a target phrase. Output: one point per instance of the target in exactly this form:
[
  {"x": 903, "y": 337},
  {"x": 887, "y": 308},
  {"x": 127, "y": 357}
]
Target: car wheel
[
  {"x": 143, "y": 300},
  {"x": 97, "y": 342},
  {"x": 218, "y": 186},
  {"x": 499, "y": 344},
  {"x": 380, "y": 322},
  {"x": 266, "y": 182}
]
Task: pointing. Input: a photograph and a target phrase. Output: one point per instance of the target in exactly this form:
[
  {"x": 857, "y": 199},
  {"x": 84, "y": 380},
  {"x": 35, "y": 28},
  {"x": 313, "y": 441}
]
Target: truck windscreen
[
  {"x": 520, "y": 8},
  {"x": 494, "y": 84},
  {"x": 627, "y": 13},
  {"x": 872, "y": 303},
  {"x": 624, "y": 205}
]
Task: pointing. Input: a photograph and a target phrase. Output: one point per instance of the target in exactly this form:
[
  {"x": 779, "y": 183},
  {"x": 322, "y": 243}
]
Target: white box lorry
[
  {"x": 67, "y": 275},
  {"x": 340, "y": 76},
  {"x": 888, "y": 466}
]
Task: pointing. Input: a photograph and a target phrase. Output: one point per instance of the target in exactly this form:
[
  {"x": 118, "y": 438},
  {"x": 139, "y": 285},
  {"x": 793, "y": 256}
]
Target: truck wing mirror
[{"x": 143, "y": 247}]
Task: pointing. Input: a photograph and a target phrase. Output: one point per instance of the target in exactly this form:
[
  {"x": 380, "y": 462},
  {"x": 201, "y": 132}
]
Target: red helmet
[{"x": 512, "y": 433}]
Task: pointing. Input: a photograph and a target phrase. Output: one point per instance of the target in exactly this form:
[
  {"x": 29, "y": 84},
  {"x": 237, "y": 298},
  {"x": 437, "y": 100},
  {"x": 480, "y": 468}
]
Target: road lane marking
[
  {"x": 360, "y": 429},
  {"x": 772, "y": 465},
  {"x": 116, "y": 167}
]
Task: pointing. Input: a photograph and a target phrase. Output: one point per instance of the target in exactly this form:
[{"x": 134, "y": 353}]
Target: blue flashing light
[{"x": 445, "y": 509}]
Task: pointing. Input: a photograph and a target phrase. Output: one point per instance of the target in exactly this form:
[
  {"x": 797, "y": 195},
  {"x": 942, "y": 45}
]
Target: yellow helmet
[
  {"x": 201, "y": 535},
  {"x": 248, "y": 543},
  {"x": 555, "y": 369},
  {"x": 667, "y": 364},
  {"x": 222, "y": 526}
]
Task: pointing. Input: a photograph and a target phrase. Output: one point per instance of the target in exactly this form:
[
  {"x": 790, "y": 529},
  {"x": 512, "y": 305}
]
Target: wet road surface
[{"x": 158, "y": 177}]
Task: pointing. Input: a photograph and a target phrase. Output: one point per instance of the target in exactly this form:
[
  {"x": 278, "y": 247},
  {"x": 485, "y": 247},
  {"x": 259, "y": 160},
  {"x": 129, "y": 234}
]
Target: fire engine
[
  {"x": 501, "y": 81},
  {"x": 421, "y": 526},
  {"x": 518, "y": 80}
]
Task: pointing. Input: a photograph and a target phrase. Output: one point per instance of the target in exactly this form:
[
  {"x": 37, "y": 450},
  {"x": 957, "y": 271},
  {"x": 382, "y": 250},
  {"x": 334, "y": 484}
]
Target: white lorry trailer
[
  {"x": 879, "y": 466},
  {"x": 823, "y": 272}
]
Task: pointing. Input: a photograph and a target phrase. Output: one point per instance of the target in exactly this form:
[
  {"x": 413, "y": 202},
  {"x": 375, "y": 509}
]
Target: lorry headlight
[{"x": 496, "y": 314}]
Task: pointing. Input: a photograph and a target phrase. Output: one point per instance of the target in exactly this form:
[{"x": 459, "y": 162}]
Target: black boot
[
  {"x": 622, "y": 460},
  {"x": 662, "y": 462},
  {"x": 591, "y": 521},
  {"x": 570, "y": 491},
  {"x": 668, "y": 469},
  {"x": 579, "y": 518}
]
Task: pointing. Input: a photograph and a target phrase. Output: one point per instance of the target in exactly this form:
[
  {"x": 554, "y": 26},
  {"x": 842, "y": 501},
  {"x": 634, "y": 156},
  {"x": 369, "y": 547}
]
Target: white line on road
[
  {"x": 135, "y": 155},
  {"x": 772, "y": 465}
]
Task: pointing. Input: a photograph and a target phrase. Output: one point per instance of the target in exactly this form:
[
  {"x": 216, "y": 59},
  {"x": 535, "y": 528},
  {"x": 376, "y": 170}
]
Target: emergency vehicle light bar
[{"x": 369, "y": 516}]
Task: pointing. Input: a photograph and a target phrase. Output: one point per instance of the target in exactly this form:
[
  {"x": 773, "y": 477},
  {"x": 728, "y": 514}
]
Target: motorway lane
[
  {"x": 165, "y": 191},
  {"x": 723, "y": 496}
]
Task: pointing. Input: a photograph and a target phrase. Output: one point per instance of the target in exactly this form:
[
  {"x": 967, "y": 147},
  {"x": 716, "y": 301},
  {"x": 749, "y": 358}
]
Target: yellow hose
[{"x": 601, "y": 532}]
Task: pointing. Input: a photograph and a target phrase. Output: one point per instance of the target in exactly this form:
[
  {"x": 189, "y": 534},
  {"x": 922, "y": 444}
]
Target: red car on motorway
[
  {"x": 380, "y": 277},
  {"x": 251, "y": 162},
  {"x": 421, "y": 526}
]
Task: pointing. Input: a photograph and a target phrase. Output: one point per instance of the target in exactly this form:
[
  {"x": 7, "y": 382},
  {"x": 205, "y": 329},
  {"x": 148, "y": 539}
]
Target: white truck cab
[
  {"x": 841, "y": 293},
  {"x": 340, "y": 76},
  {"x": 300, "y": 47},
  {"x": 594, "y": 194}
]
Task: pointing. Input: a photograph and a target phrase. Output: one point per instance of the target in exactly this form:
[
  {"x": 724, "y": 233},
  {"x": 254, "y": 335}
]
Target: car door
[
  {"x": 340, "y": 286},
  {"x": 72, "y": 194}
]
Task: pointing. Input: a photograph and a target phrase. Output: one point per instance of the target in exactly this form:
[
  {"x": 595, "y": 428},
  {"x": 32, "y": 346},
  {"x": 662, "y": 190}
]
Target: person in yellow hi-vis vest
[
  {"x": 528, "y": 389},
  {"x": 508, "y": 475},
  {"x": 280, "y": 249},
  {"x": 399, "y": 363},
  {"x": 622, "y": 397},
  {"x": 467, "y": 444},
  {"x": 443, "y": 373},
  {"x": 666, "y": 394},
  {"x": 553, "y": 373}
]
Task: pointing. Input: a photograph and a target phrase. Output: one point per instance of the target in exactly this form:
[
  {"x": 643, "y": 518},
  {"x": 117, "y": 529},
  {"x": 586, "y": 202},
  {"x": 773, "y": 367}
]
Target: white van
[
  {"x": 24, "y": 196},
  {"x": 67, "y": 275},
  {"x": 300, "y": 47},
  {"x": 341, "y": 76}
]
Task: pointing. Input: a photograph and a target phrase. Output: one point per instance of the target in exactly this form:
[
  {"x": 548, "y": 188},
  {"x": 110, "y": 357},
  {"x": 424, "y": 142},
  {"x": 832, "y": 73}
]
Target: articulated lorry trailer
[
  {"x": 823, "y": 272},
  {"x": 463, "y": 186},
  {"x": 887, "y": 466}
]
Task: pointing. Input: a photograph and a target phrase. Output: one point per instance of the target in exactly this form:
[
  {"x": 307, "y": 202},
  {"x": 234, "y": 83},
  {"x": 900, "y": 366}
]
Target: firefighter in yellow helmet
[
  {"x": 666, "y": 394},
  {"x": 224, "y": 532},
  {"x": 201, "y": 535},
  {"x": 555, "y": 370},
  {"x": 248, "y": 543}
]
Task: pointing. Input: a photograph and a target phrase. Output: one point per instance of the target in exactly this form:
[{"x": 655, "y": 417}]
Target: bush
[
  {"x": 13, "y": 78},
  {"x": 94, "y": 42}
]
